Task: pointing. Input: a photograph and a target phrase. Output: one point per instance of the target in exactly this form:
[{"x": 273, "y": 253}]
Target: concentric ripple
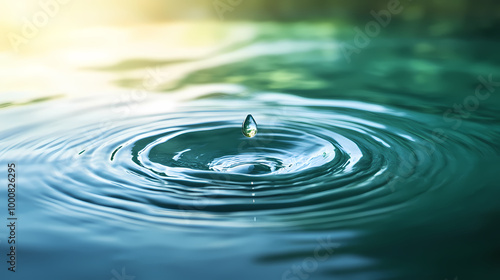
[{"x": 311, "y": 165}]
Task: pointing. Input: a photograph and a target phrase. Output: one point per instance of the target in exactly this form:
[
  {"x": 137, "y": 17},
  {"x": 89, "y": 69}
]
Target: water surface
[{"x": 360, "y": 170}]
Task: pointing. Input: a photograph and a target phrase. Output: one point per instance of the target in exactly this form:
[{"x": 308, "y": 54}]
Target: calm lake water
[{"x": 130, "y": 160}]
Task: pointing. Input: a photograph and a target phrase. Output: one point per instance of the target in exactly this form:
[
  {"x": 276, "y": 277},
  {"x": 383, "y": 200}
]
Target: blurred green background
[
  {"x": 429, "y": 17},
  {"x": 55, "y": 44}
]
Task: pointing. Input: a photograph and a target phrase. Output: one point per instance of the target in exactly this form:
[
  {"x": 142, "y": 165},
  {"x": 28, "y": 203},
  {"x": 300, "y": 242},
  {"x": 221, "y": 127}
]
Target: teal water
[{"x": 382, "y": 168}]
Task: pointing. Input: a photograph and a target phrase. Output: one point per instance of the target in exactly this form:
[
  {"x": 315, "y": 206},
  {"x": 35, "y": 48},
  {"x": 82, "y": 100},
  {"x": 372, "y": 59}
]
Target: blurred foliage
[
  {"x": 424, "y": 17},
  {"x": 418, "y": 16}
]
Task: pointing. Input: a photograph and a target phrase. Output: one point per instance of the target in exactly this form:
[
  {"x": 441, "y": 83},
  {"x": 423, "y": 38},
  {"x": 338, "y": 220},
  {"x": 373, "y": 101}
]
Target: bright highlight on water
[{"x": 249, "y": 127}]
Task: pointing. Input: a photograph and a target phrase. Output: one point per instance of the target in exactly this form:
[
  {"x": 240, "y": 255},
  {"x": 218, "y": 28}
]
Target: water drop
[{"x": 249, "y": 127}]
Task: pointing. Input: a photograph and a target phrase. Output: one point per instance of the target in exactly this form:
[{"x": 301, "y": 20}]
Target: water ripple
[{"x": 313, "y": 164}]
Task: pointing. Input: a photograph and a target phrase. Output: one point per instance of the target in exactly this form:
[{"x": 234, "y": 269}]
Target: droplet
[{"x": 249, "y": 127}]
